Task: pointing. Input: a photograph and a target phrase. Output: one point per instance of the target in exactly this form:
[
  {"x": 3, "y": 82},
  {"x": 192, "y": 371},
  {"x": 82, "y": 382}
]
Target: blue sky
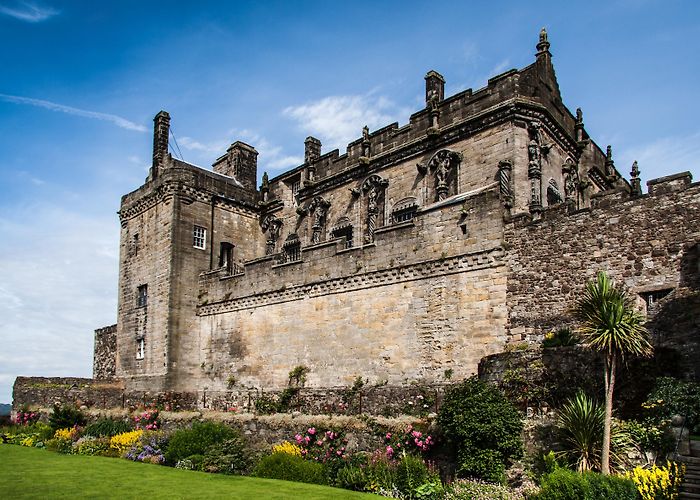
[{"x": 81, "y": 81}]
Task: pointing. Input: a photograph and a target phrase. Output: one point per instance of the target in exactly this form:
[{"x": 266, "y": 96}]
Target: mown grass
[{"x": 36, "y": 473}]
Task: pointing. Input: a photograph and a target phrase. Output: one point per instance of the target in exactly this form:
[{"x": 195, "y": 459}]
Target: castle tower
[{"x": 241, "y": 163}]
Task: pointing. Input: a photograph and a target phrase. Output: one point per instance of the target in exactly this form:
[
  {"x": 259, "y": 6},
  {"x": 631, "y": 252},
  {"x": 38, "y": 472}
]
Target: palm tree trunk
[{"x": 609, "y": 386}]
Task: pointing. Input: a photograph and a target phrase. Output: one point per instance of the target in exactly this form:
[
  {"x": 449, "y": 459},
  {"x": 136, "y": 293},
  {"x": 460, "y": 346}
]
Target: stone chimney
[
  {"x": 161, "y": 132},
  {"x": 312, "y": 149},
  {"x": 434, "y": 87},
  {"x": 241, "y": 163}
]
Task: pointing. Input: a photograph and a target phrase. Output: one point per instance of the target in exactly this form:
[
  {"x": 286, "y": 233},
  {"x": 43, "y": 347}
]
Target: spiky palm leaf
[{"x": 609, "y": 322}]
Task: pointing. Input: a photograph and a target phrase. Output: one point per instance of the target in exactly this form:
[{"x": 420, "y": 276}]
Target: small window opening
[
  {"x": 651, "y": 299},
  {"x": 199, "y": 237},
  {"x": 344, "y": 232},
  {"x": 142, "y": 296},
  {"x": 140, "y": 348},
  {"x": 226, "y": 256}
]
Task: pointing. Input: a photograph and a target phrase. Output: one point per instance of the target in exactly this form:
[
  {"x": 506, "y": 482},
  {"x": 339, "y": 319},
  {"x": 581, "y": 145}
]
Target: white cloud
[
  {"x": 116, "y": 120},
  {"x": 337, "y": 120},
  {"x": 28, "y": 11},
  {"x": 58, "y": 271},
  {"x": 665, "y": 156}
]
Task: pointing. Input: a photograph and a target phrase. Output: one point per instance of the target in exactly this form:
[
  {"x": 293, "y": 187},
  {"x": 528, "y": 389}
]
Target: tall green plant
[{"x": 611, "y": 326}]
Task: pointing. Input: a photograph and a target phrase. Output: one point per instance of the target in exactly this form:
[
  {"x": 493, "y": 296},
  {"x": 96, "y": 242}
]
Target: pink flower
[
  {"x": 389, "y": 451},
  {"x": 311, "y": 430},
  {"x": 388, "y": 436},
  {"x": 339, "y": 453},
  {"x": 298, "y": 438}
]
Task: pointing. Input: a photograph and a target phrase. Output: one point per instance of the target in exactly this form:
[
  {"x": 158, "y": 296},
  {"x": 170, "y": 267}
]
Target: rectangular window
[
  {"x": 404, "y": 215},
  {"x": 344, "y": 232},
  {"x": 140, "y": 348},
  {"x": 142, "y": 298},
  {"x": 199, "y": 237},
  {"x": 296, "y": 185},
  {"x": 292, "y": 253}
]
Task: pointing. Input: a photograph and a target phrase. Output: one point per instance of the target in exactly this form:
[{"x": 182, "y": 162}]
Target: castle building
[{"x": 420, "y": 249}]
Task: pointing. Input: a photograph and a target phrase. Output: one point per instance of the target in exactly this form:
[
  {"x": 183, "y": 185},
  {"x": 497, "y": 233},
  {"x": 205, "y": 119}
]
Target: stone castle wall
[
  {"x": 104, "y": 360},
  {"x": 648, "y": 243}
]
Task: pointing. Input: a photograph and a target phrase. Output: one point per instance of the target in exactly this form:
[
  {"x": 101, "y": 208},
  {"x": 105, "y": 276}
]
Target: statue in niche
[
  {"x": 272, "y": 226},
  {"x": 443, "y": 163},
  {"x": 570, "y": 171},
  {"x": 374, "y": 188},
  {"x": 319, "y": 209}
]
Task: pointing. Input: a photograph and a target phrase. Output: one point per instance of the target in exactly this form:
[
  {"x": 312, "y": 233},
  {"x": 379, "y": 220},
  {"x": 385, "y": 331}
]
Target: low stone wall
[{"x": 416, "y": 400}]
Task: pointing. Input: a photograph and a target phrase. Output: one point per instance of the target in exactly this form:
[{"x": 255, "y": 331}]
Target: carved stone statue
[
  {"x": 374, "y": 188},
  {"x": 365, "y": 142},
  {"x": 319, "y": 209},
  {"x": 443, "y": 163},
  {"x": 272, "y": 226}
]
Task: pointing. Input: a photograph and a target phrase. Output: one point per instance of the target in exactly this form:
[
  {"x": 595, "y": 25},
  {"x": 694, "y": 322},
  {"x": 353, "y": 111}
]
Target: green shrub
[
  {"x": 107, "y": 427},
  {"x": 564, "y": 484},
  {"x": 353, "y": 477},
  {"x": 675, "y": 397},
  {"x": 291, "y": 468},
  {"x": 482, "y": 426},
  {"x": 60, "y": 445},
  {"x": 64, "y": 417},
  {"x": 367, "y": 473},
  {"x": 562, "y": 337},
  {"x": 89, "y": 445},
  {"x": 474, "y": 489},
  {"x": 415, "y": 480},
  {"x": 227, "y": 457},
  {"x": 195, "y": 440}
]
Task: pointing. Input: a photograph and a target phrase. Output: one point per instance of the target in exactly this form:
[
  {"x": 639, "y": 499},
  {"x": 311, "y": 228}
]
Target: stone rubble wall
[{"x": 104, "y": 360}]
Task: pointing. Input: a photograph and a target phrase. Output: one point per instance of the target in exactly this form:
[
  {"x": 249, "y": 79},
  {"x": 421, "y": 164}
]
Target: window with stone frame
[
  {"x": 140, "y": 348},
  {"x": 291, "y": 249},
  {"x": 142, "y": 296},
  {"x": 344, "y": 231},
  {"x": 651, "y": 299},
  {"x": 199, "y": 237},
  {"x": 404, "y": 210}
]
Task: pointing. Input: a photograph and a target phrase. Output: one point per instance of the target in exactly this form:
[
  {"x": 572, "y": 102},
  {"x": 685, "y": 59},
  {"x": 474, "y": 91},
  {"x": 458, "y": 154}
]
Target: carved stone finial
[
  {"x": 609, "y": 163},
  {"x": 366, "y": 145},
  {"x": 265, "y": 181},
  {"x": 579, "y": 115},
  {"x": 543, "y": 45},
  {"x": 635, "y": 181}
]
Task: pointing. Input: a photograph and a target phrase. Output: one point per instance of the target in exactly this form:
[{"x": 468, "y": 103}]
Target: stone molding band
[{"x": 412, "y": 272}]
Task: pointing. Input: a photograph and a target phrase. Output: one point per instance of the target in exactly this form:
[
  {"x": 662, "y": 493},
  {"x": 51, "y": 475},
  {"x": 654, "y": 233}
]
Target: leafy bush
[
  {"x": 656, "y": 440},
  {"x": 560, "y": 338},
  {"x": 322, "y": 446},
  {"x": 672, "y": 397},
  {"x": 90, "y": 445},
  {"x": 25, "y": 416},
  {"x": 371, "y": 473},
  {"x": 59, "y": 445},
  {"x": 481, "y": 424},
  {"x": 107, "y": 427},
  {"x": 195, "y": 441},
  {"x": 581, "y": 422},
  {"x": 291, "y": 468},
  {"x": 658, "y": 483},
  {"x": 412, "y": 475},
  {"x": 470, "y": 489},
  {"x": 63, "y": 417},
  {"x": 227, "y": 457},
  {"x": 564, "y": 484}
]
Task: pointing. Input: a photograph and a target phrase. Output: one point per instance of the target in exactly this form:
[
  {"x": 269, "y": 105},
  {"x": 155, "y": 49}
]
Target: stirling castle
[{"x": 419, "y": 250}]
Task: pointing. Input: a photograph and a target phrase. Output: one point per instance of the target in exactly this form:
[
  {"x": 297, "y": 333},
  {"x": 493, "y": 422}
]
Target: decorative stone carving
[
  {"x": 318, "y": 208},
  {"x": 571, "y": 181},
  {"x": 635, "y": 181},
  {"x": 505, "y": 168},
  {"x": 610, "y": 171},
  {"x": 444, "y": 165},
  {"x": 272, "y": 226},
  {"x": 373, "y": 187},
  {"x": 366, "y": 145},
  {"x": 265, "y": 187},
  {"x": 534, "y": 166},
  {"x": 553, "y": 194}
]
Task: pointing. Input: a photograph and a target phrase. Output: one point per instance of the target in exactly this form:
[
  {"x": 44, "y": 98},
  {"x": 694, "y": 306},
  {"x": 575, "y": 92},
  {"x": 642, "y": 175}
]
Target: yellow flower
[
  {"x": 288, "y": 448},
  {"x": 124, "y": 441}
]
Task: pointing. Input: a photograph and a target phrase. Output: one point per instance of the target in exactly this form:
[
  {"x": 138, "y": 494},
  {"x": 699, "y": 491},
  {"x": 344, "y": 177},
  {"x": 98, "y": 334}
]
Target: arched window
[{"x": 404, "y": 210}]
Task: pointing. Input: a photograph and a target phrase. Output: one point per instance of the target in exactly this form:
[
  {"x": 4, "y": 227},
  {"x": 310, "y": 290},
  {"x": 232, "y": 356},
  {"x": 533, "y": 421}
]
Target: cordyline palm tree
[{"x": 611, "y": 326}]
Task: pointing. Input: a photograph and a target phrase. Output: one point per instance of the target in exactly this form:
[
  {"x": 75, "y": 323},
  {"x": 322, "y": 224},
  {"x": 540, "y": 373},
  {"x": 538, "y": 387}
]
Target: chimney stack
[{"x": 161, "y": 132}]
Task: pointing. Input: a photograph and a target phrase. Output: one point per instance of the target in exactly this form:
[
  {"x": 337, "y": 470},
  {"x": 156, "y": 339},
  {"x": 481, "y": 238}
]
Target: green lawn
[{"x": 36, "y": 473}]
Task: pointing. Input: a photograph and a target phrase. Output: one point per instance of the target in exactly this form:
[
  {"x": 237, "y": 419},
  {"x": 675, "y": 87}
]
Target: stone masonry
[{"x": 419, "y": 251}]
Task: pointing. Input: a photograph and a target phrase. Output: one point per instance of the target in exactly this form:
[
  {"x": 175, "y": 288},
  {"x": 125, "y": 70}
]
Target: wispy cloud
[
  {"x": 337, "y": 120},
  {"x": 665, "y": 156},
  {"x": 28, "y": 11},
  {"x": 40, "y": 103}
]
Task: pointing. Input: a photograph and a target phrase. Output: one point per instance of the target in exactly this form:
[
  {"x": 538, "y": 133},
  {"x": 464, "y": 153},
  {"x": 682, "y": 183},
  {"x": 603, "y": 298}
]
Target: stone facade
[
  {"x": 417, "y": 252},
  {"x": 103, "y": 364}
]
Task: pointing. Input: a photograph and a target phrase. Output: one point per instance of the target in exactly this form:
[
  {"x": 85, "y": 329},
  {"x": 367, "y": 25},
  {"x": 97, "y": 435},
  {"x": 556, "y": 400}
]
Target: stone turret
[{"x": 241, "y": 163}]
